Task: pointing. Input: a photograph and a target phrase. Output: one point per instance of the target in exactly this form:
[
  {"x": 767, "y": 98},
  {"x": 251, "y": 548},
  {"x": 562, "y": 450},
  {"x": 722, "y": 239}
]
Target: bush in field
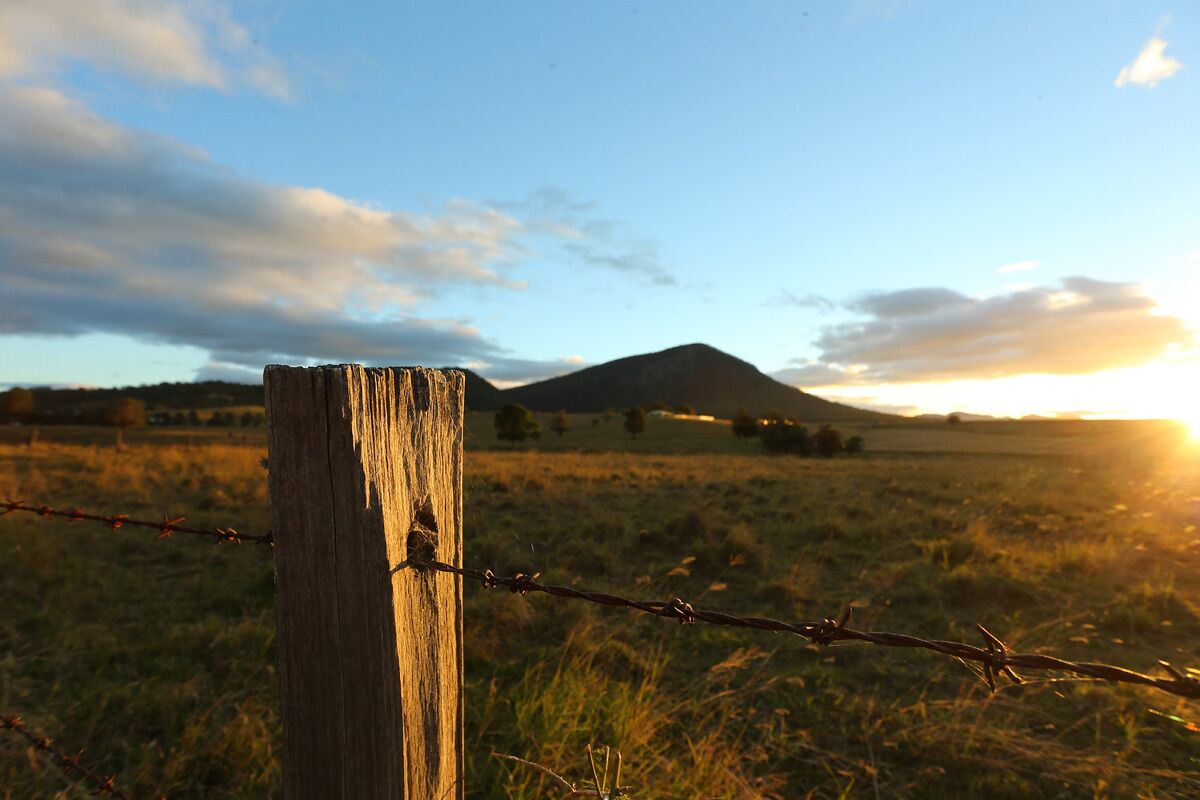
[
  {"x": 16, "y": 404},
  {"x": 780, "y": 435},
  {"x": 683, "y": 408},
  {"x": 126, "y": 412},
  {"x": 954, "y": 419},
  {"x": 515, "y": 423},
  {"x": 193, "y": 418},
  {"x": 560, "y": 424},
  {"x": 635, "y": 421},
  {"x": 854, "y": 445},
  {"x": 828, "y": 441},
  {"x": 743, "y": 425}
]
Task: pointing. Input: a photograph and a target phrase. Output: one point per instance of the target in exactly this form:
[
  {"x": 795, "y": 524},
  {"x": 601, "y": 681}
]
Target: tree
[
  {"x": 854, "y": 445},
  {"x": 779, "y": 435},
  {"x": 16, "y": 404},
  {"x": 954, "y": 419},
  {"x": 193, "y": 418},
  {"x": 683, "y": 408},
  {"x": 560, "y": 424},
  {"x": 125, "y": 412},
  {"x": 743, "y": 425},
  {"x": 515, "y": 423},
  {"x": 635, "y": 421},
  {"x": 247, "y": 419},
  {"x": 828, "y": 441}
]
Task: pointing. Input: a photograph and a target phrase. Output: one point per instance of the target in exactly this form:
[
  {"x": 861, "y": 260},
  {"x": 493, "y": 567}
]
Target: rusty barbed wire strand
[
  {"x": 165, "y": 528},
  {"x": 68, "y": 764},
  {"x": 994, "y": 656}
]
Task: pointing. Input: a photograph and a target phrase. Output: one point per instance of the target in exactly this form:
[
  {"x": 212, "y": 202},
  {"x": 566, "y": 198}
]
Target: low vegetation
[{"x": 1080, "y": 540}]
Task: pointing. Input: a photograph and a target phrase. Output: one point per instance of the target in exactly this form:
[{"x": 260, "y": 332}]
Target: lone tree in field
[
  {"x": 515, "y": 423},
  {"x": 854, "y": 445},
  {"x": 954, "y": 419},
  {"x": 635, "y": 421},
  {"x": 193, "y": 418},
  {"x": 743, "y": 425},
  {"x": 683, "y": 408},
  {"x": 828, "y": 441},
  {"x": 560, "y": 424},
  {"x": 125, "y": 412},
  {"x": 16, "y": 405}
]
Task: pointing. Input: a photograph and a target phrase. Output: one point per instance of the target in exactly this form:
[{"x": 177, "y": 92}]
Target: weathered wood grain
[{"x": 364, "y": 464}]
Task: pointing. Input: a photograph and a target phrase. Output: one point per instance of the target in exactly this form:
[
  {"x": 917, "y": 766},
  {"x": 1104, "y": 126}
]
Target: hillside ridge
[{"x": 699, "y": 375}]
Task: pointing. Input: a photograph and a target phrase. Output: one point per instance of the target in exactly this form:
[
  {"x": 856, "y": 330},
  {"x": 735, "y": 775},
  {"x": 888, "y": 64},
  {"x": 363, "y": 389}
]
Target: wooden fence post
[{"x": 366, "y": 467}]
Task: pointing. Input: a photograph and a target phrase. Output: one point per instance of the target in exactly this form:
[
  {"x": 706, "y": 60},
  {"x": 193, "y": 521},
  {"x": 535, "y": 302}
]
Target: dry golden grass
[{"x": 158, "y": 655}]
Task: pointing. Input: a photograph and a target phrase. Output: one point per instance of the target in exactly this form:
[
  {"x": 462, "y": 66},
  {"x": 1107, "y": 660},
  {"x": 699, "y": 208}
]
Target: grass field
[{"x": 1078, "y": 539}]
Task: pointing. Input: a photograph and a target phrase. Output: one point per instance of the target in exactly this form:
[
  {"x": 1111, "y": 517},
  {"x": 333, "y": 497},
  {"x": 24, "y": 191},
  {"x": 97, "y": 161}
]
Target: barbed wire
[
  {"x": 68, "y": 764},
  {"x": 165, "y": 528},
  {"x": 994, "y": 656}
]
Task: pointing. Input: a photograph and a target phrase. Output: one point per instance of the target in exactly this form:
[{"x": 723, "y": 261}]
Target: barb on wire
[
  {"x": 166, "y": 528},
  {"x": 994, "y": 656},
  {"x": 68, "y": 764}
]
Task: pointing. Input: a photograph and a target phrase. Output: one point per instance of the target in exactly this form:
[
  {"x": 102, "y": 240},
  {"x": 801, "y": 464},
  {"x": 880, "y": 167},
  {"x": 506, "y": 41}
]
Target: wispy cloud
[
  {"x": 641, "y": 261},
  {"x": 1019, "y": 266},
  {"x": 1151, "y": 66},
  {"x": 786, "y": 297},
  {"x": 197, "y": 43},
  {"x": 936, "y": 334},
  {"x": 587, "y": 238}
]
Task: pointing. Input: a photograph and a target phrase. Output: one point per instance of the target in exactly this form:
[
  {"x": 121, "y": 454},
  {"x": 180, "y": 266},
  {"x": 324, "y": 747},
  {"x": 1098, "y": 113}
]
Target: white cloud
[
  {"x": 935, "y": 334},
  {"x": 108, "y": 229},
  {"x": 1019, "y": 266},
  {"x": 150, "y": 41},
  {"x": 1151, "y": 66}
]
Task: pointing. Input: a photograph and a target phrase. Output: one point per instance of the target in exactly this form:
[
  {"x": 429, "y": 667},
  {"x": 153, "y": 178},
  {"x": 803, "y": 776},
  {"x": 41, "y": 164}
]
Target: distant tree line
[
  {"x": 780, "y": 434},
  {"x": 121, "y": 411},
  {"x": 515, "y": 423}
]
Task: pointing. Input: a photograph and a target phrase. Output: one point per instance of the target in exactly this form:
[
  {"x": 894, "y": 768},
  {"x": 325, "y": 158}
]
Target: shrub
[
  {"x": 854, "y": 444},
  {"x": 515, "y": 423},
  {"x": 635, "y": 421},
  {"x": 743, "y": 425},
  {"x": 16, "y": 404},
  {"x": 784, "y": 436},
  {"x": 560, "y": 424},
  {"x": 828, "y": 441}
]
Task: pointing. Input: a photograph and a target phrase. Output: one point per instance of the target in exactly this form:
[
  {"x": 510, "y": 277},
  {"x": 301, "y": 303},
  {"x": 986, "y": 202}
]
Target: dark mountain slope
[
  {"x": 705, "y": 378},
  {"x": 482, "y": 395}
]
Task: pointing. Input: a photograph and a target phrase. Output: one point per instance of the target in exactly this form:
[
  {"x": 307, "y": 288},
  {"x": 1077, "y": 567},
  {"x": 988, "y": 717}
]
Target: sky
[{"x": 916, "y": 207}]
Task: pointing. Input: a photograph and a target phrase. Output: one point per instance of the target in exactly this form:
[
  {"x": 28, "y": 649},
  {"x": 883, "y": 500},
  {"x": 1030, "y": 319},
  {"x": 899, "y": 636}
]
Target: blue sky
[{"x": 829, "y": 192}]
